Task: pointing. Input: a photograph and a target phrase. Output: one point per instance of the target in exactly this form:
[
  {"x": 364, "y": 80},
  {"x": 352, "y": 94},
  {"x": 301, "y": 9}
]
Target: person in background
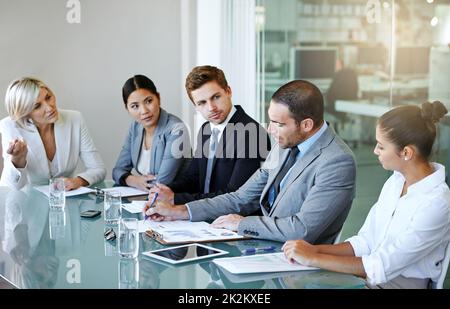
[
  {"x": 344, "y": 86},
  {"x": 157, "y": 144},
  {"x": 406, "y": 232},
  {"x": 41, "y": 142},
  {"x": 230, "y": 146}
]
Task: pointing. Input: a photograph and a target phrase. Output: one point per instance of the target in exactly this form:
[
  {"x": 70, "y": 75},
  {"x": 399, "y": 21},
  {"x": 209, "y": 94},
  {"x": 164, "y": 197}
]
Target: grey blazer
[
  {"x": 312, "y": 205},
  {"x": 170, "y": 153}
]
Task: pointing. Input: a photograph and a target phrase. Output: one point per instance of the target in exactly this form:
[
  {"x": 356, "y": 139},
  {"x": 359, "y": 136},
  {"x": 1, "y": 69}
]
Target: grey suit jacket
[
  {"x": 170, "y": 153},
  {"x": 312, "y": 205}
]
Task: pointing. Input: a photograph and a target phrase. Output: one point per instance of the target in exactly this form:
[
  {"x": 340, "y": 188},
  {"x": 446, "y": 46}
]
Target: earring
[{"x": 406, "y": 159}]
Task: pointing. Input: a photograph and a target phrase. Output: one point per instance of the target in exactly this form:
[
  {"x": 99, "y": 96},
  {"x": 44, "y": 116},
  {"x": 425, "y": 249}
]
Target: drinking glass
[
  {"x": 128, "y": 238},
  {"x": 57, "y": 223},
  {"x": 128, "y": 273},
  {"x": 57, "y": 193},
  {"x": 112, "y": 207}
]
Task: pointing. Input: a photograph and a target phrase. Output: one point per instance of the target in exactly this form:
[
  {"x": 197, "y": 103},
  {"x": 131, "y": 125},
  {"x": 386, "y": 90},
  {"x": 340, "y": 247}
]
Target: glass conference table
[{"x": 44, "y": 248}]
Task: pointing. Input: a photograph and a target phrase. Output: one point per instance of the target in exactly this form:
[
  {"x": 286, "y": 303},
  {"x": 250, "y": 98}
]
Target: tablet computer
[{"x": 185, "y": 253}]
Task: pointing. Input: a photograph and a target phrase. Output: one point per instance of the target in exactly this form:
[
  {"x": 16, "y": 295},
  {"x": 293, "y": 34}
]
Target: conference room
[{"x": 367, "y": 57}]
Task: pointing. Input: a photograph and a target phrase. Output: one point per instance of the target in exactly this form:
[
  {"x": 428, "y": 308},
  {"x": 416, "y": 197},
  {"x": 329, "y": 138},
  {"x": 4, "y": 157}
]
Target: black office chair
[{"x": 344, "y": 86}]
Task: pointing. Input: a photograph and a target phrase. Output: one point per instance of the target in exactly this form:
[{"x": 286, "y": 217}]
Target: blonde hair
[{"x": 20, "y": 98}]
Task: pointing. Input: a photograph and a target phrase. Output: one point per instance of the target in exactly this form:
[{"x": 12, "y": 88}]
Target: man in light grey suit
[{"x": 304, "y": 189}]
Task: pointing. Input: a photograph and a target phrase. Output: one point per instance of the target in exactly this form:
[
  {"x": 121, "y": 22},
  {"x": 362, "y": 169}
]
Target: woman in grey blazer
[{"x": 157, "y": 146}]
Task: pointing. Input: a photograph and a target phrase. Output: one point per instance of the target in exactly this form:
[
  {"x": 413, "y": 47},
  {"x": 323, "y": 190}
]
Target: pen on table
[
  {"x": 152, "y": 204},
  {"x": 98, "y": 191},
  {"x": 257, "y": 250}
]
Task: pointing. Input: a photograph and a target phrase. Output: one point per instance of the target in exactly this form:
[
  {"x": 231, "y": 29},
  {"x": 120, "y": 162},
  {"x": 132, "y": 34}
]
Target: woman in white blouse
[
  {"x": 41, "y": 142},
  {"x": 404, "y": 237}
]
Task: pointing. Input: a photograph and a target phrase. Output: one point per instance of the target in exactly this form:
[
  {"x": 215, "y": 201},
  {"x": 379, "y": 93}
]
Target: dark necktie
[
  {"x": 286, "y": 167},
  {"x": 212, "y": 151}
]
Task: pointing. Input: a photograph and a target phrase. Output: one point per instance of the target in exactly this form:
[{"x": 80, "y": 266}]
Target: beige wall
[{"x": 87, "y": 63}]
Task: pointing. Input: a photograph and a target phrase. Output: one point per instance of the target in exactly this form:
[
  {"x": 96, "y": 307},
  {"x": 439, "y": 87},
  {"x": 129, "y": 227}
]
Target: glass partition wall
[
  {"x": 366, "y": 56},
  {"x": 343, "y": 46}
]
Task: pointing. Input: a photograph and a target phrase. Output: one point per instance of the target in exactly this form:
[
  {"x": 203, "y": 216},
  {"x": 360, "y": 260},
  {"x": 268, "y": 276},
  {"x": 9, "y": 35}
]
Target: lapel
[
  {"x": 157, "y": 138},
  {"x": 206, "y": 135},
  {"x": 296, "y": 171},
  {"x": 36, "y": 147},
  {"x": 62, "y": 140},
  {"x": 282, "y": 155},
  {"x": 304, "y": 162},
  {"x": 138, "y": 140},
  {"x": 36, "y": 150}
]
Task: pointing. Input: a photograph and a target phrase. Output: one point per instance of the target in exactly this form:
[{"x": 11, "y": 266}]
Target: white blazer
[{"x": 73, "y": 142}]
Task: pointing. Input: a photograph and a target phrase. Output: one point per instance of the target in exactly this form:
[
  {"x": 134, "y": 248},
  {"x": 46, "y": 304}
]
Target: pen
[
  {"x": 256, "y": 250},
  {"x": 152, "y": 203},
  {"x": 98, "y": 191}
]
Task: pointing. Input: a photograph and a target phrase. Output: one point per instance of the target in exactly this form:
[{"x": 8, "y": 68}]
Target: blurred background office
[
  {"x": 398, "y": 55},
  {"x": 365, "y": 55}
]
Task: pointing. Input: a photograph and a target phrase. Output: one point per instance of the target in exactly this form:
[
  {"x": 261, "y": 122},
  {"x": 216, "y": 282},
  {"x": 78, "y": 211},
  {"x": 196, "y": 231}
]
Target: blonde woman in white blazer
[{"x": 41, "y": 142}]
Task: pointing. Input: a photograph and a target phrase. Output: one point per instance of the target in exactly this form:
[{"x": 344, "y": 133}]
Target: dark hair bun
[{"x": 433, "y": 112}]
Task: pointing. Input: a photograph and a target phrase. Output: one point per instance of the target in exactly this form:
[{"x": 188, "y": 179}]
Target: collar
[
  {"x": 221, "y": 126},
  {"x": 426, "y": 184},
  {"x": 304, "y": 146},
  {"x": 163, "y": 117}
]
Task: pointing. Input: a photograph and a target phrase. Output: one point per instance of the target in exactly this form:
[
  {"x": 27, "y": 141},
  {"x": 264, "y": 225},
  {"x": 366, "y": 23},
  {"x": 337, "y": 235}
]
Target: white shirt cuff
[
  {"x": 15, "y": 173},
  {"x": 189, "y": 211},
  {"x": 373, "y": 266},
  {"x": 359, "y": 246}
]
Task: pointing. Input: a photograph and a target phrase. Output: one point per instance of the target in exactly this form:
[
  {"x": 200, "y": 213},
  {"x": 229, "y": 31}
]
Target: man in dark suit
[{"x": 230, "y": 146}]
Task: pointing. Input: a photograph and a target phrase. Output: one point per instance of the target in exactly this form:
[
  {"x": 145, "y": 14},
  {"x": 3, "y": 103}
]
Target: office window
[
  {"x": 364, "y": 65},
  {"x": 326, "y": 42},
  {"x": 422, "y": 62}
]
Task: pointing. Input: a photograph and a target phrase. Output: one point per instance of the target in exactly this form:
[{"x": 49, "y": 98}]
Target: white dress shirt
[
  {"x": 221, "y": 126},
  {"x": 406, "y": 235}
]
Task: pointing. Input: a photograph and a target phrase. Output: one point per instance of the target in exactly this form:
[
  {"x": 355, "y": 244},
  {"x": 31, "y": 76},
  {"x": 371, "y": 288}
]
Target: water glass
[
  {"x": 57, "y": 193},
  {"x": 112, "y": 207},
  {"x": 128, "y": 273},
  {"x": 57, "y": 223},
  {"x": 128, "y": 238}
]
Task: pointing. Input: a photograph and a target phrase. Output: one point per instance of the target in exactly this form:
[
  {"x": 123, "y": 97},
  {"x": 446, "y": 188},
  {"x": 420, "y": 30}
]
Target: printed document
[
  {"x": 134, "y": 207},
  {"x": 81, "y": 190},
  {"x": 126, "y": 191},
  {"x": 259, "y": 263},
  {"x": 183, "y": 231}
]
